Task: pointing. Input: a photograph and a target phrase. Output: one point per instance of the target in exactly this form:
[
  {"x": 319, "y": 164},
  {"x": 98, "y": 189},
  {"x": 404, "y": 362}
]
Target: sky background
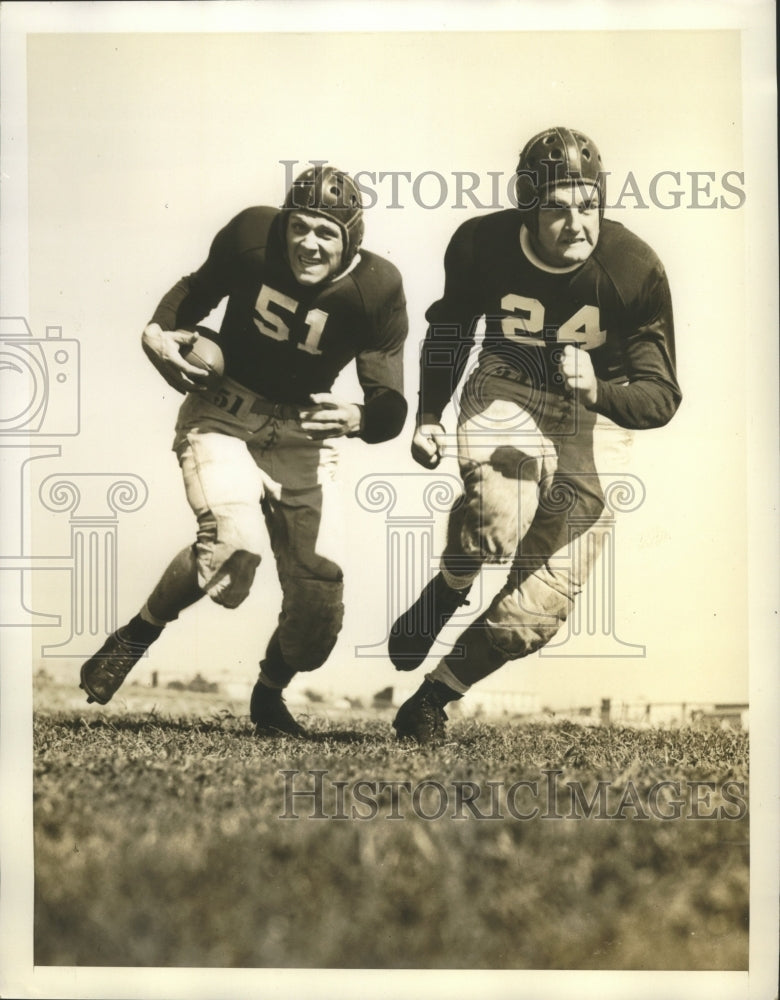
[{"x": 141, "y": 146}]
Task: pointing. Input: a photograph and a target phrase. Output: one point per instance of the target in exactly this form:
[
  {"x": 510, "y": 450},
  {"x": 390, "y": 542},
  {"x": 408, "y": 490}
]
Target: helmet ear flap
[
  {"x": 527, "y": 196},
  {"x": 526, "y": 193}
]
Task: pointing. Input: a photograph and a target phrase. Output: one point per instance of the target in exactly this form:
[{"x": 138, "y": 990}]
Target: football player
[
  {"x": 256, "y": 446},
  {"x": 578, "y": 352}
]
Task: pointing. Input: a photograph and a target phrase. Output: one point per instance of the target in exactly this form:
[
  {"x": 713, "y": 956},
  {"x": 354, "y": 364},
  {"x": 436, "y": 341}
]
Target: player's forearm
[
  {"x": 649, "y": 394},
  {"x": 639, "y": 405},
  {"x": 434, "y": 396},
  {"x": 183, "y": 306},
  {"x": 443, "y": 358}
]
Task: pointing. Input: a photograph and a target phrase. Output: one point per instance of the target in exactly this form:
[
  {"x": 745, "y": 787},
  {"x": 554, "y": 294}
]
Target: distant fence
[
  {"x": 514, "y": 703},
  {"x": 674, "y": 713}
]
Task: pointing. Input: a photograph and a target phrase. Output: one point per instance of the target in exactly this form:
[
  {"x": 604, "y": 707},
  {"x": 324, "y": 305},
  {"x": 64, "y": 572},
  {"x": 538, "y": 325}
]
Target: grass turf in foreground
[{"x": 159, "y": 842}]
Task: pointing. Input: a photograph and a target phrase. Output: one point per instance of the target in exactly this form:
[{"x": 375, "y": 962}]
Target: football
[{"x": 206, "y": 354}]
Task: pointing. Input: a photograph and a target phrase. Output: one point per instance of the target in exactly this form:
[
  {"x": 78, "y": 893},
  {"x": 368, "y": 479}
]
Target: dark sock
[
  {"x": 140, "y": 632},
  {"x": 273, "y": 664},
  {"x": 271, "y": 694},
  {"x": 443, "y": 693}
]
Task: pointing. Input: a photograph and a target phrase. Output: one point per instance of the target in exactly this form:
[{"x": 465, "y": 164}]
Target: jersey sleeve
[
  {"x": 380, "y": 369},
  {"x": 452, "y": 321},
  {"x": 194, "y": 296},
  {"x": 649, "y": 395}
]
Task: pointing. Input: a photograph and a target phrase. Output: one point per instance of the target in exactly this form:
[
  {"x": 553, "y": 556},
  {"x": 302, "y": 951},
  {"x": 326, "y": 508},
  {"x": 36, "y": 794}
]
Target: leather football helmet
[
  {"x": 557, "y": 155},
  {"x": 327, "y": 191}
]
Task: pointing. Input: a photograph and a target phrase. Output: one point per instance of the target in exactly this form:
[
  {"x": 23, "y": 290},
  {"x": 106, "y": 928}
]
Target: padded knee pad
[
  {"x": 230, "y": 584},
  {"x": 311, "y": 619},
  {"x": 495, "y": 493},
  {"x": 522, "y": 621}
]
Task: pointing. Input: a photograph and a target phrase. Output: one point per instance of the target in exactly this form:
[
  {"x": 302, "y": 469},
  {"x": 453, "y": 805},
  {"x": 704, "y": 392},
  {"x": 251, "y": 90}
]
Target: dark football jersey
[
  {"x": 284, "y": 340},
  {"x": 616, "y": 305}
]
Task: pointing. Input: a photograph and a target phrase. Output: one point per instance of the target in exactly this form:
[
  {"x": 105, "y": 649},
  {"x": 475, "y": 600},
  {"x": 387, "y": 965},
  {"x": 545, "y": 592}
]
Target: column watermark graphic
[
  {"x": 593, "y": 620},
  {"x": 412, "y": 503},
  {"x": 94, "y": 502},
  {"x": 41, "y": 402}
]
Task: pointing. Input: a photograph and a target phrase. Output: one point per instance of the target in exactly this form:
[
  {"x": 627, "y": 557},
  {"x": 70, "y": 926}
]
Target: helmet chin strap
[
  {"x": 350, "y": 267},
  {"x": 344, "y": 270}
]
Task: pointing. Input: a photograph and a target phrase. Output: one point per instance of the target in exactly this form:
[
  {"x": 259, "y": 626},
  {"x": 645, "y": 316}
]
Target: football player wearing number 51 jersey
[
  {"x": 256, "y": 443},
  {"x": 578, "y": 352}
]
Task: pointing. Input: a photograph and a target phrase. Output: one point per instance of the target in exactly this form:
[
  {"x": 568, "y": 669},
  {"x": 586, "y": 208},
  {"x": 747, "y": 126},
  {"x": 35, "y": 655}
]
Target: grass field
[{"x": 159, "y": 842}]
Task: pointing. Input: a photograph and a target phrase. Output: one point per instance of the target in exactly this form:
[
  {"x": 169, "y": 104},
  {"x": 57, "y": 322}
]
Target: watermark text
[{"x": 316, "y": 795}]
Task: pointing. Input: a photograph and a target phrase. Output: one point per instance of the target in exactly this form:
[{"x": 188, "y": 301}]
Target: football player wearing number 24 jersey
[
  {"x": 578, "y": 352},
  {"x": 256, "y": 443}
]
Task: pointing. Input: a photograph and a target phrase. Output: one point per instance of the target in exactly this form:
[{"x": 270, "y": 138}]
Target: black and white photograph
[{"x": 388, "y": 421}]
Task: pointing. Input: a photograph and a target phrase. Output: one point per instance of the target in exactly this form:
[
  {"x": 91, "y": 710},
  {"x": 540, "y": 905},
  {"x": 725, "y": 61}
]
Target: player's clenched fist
[
  {"x": 428, "y": 445},
  {"x": 329, "y": 417},
  {"x": 578, "y": 374}
]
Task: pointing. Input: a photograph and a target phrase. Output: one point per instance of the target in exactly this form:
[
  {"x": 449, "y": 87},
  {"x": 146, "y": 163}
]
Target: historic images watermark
[
  {"x": 315, "y": 794},
  {"x": 495, "y": 189},
  {"x": 40, "y": 390}
]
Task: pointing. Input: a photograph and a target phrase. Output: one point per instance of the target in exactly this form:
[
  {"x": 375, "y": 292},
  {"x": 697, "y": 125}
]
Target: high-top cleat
[
  {"x": 413, "y": 634},
  {"x": 270, "y": 714},
  {"x": 422, "y": 717},
  {"x": 103, "y": 674}
]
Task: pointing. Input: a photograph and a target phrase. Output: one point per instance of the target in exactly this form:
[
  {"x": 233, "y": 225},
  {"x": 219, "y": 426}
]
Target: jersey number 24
[{"x": 526, "y": 320}]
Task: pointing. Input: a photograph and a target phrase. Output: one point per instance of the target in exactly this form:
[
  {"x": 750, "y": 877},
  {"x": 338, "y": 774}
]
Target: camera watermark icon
[
  {"x": 40, "y": 399},
  {"x": 39, "y": 381},
  {"x": 531, "y": 375}
]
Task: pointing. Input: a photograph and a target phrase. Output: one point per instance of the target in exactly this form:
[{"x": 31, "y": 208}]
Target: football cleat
[
  {"x": 270, "y": 714},
  {"x": 413, "y": 634},
  {"x": 422, "y": 717},
  {"x": 103, "y": 674}
]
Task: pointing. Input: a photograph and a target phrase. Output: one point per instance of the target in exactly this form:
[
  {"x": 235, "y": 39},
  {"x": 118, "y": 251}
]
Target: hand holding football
[{"x": 205, "y": 354}]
